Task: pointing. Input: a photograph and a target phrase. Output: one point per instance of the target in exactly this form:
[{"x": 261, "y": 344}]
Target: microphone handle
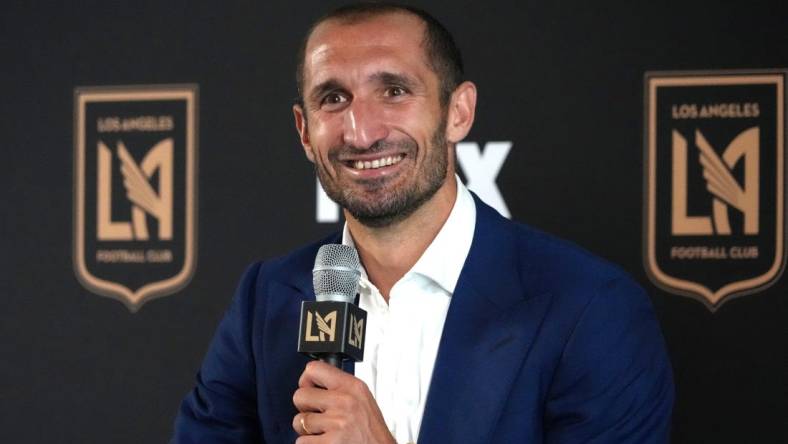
[{"x": 332, "y": 359}]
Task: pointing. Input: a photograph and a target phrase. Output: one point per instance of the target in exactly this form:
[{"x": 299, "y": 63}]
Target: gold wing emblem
[
  {"x": 719, "y": 180},
  {"x": 138, "y": 189},
  {"x": 322, "y": 325}
]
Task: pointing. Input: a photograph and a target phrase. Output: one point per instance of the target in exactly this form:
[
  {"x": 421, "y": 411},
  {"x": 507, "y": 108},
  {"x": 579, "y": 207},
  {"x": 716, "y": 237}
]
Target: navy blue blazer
[{"x": 543, "y": 343}]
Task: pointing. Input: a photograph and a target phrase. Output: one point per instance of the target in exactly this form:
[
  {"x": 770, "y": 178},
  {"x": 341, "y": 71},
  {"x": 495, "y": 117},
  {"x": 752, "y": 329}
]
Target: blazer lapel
[{"x": 490, "y": 325}]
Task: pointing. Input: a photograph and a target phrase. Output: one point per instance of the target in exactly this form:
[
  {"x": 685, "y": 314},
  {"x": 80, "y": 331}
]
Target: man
[{"x": 480, "y": 330}]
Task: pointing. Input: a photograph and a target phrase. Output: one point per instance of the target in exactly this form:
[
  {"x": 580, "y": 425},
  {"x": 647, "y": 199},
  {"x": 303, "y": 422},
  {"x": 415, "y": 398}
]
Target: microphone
[{"x": 332, "y": 328}]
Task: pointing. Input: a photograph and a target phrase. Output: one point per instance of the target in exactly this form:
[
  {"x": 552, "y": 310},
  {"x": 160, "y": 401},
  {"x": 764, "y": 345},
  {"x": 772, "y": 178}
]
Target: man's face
[{"x": 373, "y": 123}]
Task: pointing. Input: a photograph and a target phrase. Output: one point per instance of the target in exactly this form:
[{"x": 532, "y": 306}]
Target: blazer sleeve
[
  {"x": 222, "y": 407},
  {"x": 614, "y": 383}
]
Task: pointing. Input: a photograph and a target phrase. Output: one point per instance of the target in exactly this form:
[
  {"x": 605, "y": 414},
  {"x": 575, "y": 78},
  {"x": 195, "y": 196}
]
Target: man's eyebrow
[{"x": 390, "y": 78}]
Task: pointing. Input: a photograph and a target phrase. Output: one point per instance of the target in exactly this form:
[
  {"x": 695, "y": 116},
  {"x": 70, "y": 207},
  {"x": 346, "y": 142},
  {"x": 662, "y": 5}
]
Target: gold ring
[{"x": 303, "y": 426}]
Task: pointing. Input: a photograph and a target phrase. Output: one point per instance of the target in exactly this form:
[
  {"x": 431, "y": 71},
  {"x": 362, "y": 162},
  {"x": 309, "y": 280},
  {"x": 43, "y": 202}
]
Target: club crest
[
  {"x": 135, "y": 193},
  {"x": 714, "y": 182}
]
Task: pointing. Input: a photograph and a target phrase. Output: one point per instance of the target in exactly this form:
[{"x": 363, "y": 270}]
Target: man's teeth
[{"x": 377, "y": 163}]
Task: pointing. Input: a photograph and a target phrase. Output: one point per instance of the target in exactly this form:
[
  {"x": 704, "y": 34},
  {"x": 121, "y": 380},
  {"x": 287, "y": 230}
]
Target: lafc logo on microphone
[
  {"x": 356, "y": 332},
  {"x": 326, "y": 326},
  {"x": 135, "y": 190},
  {"x": 714, "y": 188},
  {"x": 332, "y": 327}
]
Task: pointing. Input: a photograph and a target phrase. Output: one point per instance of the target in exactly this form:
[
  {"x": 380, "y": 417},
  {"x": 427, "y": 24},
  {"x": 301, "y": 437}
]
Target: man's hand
[{"x": 336, "y": 407}]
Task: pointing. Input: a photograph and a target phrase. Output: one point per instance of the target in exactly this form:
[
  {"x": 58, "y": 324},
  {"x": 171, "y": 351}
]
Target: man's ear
[
  {"x": 303, "y": 132},
  {"x": 462, "y": 110}
]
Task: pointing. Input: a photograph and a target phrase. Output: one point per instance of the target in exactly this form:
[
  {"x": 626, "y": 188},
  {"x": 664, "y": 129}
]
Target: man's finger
[
  {"x": 308, "y": 424},
  {"x": 320, "y": 374},
  {"x": 310, "y": 439},
  {"x": 312, "y": 399},
  {"x": 312, "y": 423}
]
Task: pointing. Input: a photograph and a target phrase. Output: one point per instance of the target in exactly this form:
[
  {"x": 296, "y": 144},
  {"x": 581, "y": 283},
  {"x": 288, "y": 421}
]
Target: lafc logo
[
  {"x": 135, "y": 167},
  {"x": 720, "y": 183},
  {"x": 139, "y": 192},
  {"x": 326, "y": 327},
  {"x": 714, "y": 188},
  {"x": 356, "y": 332}
]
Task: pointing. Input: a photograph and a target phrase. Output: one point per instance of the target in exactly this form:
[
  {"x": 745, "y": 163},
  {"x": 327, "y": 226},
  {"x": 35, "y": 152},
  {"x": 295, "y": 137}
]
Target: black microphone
[{"x": 332, "y": 327}]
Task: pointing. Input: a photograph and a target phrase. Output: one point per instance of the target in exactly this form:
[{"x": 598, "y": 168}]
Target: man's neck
[{"x": 387, "y": 253}]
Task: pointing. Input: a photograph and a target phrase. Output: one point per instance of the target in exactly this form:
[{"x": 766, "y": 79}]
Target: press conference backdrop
[{"x": 149, "y": 155}]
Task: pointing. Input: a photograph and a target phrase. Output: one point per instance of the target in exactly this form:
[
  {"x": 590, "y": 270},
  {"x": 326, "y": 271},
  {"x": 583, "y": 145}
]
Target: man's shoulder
[
  {"x": 539, "y": 251},
  {"x": 556, "y": 257},
  {"x": 545, "y": 263},
  {"x": 574, "y": 276}
]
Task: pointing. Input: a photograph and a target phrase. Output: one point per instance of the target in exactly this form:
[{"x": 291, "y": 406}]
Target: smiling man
[{"x": 480, "y": 330}]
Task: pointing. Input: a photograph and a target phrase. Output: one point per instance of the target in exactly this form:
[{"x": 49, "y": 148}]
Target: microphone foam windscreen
[{"x": 336, "y": 273}]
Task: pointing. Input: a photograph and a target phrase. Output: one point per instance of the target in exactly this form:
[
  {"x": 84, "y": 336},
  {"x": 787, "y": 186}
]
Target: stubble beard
[{"x": 379, "y": 204}]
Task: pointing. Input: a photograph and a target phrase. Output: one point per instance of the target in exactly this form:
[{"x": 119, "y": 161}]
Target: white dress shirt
[{"x": 402, "y": 336}]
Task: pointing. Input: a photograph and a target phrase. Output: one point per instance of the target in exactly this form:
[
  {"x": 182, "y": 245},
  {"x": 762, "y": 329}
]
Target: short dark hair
[{"x": 443, "y": 55}]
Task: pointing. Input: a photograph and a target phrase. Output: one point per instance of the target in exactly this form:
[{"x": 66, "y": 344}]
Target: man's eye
[
  {"x": 396, "y": 91},
  {"x": 333, "y": 99}
]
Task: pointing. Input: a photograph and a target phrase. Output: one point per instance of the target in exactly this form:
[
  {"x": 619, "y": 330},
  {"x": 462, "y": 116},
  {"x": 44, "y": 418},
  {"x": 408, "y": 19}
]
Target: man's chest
[{"x": 402, "y": 342}]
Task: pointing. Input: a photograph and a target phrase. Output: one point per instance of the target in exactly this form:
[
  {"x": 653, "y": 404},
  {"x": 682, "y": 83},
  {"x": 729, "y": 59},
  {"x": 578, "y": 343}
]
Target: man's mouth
[{"x": 376, "y": 163}]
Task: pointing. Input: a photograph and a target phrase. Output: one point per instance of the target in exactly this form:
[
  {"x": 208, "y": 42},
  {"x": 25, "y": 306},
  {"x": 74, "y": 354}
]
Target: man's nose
[{"x": 364, "y": 124}]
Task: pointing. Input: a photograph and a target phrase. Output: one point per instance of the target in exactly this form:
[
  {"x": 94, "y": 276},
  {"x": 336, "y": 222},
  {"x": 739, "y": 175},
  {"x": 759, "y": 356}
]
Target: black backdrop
[{"x": 563, "y": 81}]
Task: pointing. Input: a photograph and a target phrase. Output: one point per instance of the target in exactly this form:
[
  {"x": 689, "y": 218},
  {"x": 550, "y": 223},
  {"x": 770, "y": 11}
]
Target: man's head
[
  {"x": 377, "y": 116},
  {"x": 441, "y": 51}
]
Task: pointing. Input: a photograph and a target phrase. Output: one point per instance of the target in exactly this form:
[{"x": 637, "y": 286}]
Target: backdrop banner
[{"x": 150, "y": 155}]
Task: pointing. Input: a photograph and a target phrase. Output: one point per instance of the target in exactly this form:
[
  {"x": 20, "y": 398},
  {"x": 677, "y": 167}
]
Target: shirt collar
[{"x": 443, "y": 259}]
